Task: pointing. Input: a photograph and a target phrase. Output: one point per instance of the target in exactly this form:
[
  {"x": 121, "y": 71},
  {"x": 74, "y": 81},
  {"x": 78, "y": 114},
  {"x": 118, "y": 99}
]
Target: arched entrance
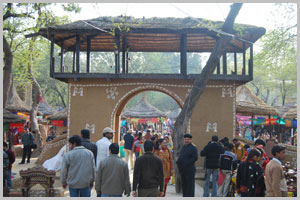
[{"x": 116, "y": 115}]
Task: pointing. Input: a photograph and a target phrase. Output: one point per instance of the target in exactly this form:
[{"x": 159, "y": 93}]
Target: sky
[{"x": 258, "y": 14}]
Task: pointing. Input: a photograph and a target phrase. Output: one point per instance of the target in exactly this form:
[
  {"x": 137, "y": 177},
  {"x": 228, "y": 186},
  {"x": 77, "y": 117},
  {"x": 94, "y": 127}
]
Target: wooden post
[
  {"x": 124, "y": 47},
  {"x": 251, "y": 62},
  {"x": 218, "y": 67},
  {"x": 252, "y": 126},
  {"x": 244, "y": 60},
  {"x": 235, "y": 63},
  {"x": 74, "y": 56},
  {"x": 117, "y": 51},
  {"x": 77, "y": 53},
  {"x": 51, "y": 56},
  {"x": 183, "y": 55},
  {"x": 224, "y": 62},
  {"x": 62, "y": 57},
  {"x": 127, "y": 59},
  {"x": 88, "y": 54}
]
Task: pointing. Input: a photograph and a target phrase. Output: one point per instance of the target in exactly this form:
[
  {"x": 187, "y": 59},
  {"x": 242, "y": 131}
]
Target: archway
[{"x": 116, "y": 114}]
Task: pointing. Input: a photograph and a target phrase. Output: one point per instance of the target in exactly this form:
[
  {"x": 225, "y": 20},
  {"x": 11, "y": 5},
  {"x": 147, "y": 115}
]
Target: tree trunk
[
  {"x": 7, "y": 76},
  {"x": 283, "y": 92},
  {"x": 199, "y": 86},
  {"x": 61, "y": 96},
  {"x": 267, "y": 96}
]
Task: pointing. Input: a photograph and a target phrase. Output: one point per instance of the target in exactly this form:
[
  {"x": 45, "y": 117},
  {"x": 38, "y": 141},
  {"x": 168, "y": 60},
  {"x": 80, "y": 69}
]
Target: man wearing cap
[
  {"x": 103, "y": 145},
  {"x": 85, "y": 141},
  {"x": 275, "y": 179},
  {"x": 128, "y": 139},
  {"x": 186, "y": 165}
]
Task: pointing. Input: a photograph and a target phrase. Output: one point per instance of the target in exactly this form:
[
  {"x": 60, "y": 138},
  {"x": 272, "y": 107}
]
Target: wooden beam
[
  {"x": 81, "y": 42},
  {"x": 235, "y": 63},
  {"x": 74, "y": 56},
  {"x": 77, "y": 53},
  {"x": 51, "y": 56},
  {"x": 250, "y": 67},
  {"x": 124, "y": 47},
  {"x": 127, "y": 60},
  {"x": 218, "y": 67},
  {"x": 65, "y": 38},
  {"x": 183, "y": 54},
  {"x": 117, "y": 51},
  {"x": 244, "y": 60},
  {"x": 62, "y": 57},
  {"x": 88, "y": 54},
  {"x": 224, "y": 63}
]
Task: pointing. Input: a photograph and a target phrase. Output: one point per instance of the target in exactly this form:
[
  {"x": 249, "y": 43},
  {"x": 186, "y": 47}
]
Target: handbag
[
  {"x": 221, "y": 178},
  {"x": 33, "y": 145}
]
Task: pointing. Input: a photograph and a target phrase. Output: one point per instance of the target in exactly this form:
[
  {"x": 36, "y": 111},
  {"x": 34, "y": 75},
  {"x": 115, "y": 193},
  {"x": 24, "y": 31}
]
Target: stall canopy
[
  {"x": 143, "y": 109},
  {"x": 291, "y": 113},
  {"x": 15, "y": 103},
  {"x": 61, "y": 115},
  {"x": 249, "y": 104},
  {"x": 9, "y": 117}
]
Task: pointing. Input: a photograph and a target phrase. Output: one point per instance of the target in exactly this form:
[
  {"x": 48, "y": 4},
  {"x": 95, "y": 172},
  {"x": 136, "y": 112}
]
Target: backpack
[{"x": 226, "y": 162}]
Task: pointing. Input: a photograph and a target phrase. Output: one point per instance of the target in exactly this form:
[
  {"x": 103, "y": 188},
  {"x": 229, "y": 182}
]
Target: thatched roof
[
  {"x": 61, "y": 115},
  {"x": 46, "y": 109},
  {"x": 143, "y": 109},
  {"x": 291, "y": 113},
  {"x": 9, "y": 117},
  {"x": 15, "y": 103},
  {"x": 149, "y": 34},
  {"x": 249, "y": 104}
]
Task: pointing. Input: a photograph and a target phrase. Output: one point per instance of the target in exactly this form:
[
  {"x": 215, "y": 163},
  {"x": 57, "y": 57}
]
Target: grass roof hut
[
  {"x": 46, "y": 109},
  {"x": 61, "y": 115},
  {"x": 9, "y": 117},
  {"x": 249, "y": 104},
  {"x": 291, "y": 113}
]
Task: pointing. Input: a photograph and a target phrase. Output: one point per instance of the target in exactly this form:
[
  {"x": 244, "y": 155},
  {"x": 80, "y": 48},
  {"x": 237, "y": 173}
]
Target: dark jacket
[
  {"x": 148, "y": 172},
  {"x": 250, "y": 179},
  {"x": 11, "y": 158},
  {"x": 27, "y": 139},
  {"x": 212, "y": 152},
  {"x": 128, "y": 138},
  {"x": 187, "y": 158},
  {"x": 90, "y": 146}
]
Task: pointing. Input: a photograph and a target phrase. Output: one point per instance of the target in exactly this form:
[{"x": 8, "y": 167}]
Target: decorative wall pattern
[
  {"x": 78, "y": 91},
  {"x": 111, "y": 93},
  {"x": 212, "y": 127},
  {"x": 90, "y": 127}
]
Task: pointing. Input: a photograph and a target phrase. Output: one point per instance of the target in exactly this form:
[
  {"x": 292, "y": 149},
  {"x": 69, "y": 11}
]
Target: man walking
[
  {"x": 103, "y": 145},
  {"x": 85, "y": 141},
  {"x": 11, "y": 158},
  {"x": 128, "y": 138},
  {"x": 112, "y": 177},
  {"x": 27, "y": 140},
  {"x": 275, "y": 180},
  {"x": 186, "y": 165},
  {"x": 148, "y": 174},
  {"x": 212, "y": 152},
  {"x": 78, "y": 169}
]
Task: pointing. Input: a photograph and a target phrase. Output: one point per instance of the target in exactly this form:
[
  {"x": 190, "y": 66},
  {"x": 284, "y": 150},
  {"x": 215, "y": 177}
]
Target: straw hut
[
  {"x": 172, "y": 114},
  {"x": 9, "y": 117},
  {"x": 46, "y": 109},
  {"x": 291, "y": 113},
  {"x": 249, "y": 104},
  {"x": 143, "y": 109},
  {"x": 15, "y": 103},
  {"x": 61, "y": 116}
]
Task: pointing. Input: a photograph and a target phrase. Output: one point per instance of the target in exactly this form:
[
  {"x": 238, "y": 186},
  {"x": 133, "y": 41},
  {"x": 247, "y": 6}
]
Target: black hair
[
  {"x": 246, "y": 146},
  {"x": 85, "y": 133},
  {"x": 148, "y": 146},
  {"x": 114, "y": 148},
  {"x": 75, "y": 139},
  {"x": 234, "y": 140},
  {"x": 4, "y": 144},
  {"x": 229, "y": 146},
  {"x": 261, "y": 151},
  {"x": 187, "y": 135},
  {"x": 158, "y": 142},
  {"x": 259, "y": 142},
  {"x": 215, "y": 138},
  {"x": 277, "y": 149},
  {"x": 226, "y": 139},
  {"x": 252, "y": 153},
  {"x": 153, "y": 138}
]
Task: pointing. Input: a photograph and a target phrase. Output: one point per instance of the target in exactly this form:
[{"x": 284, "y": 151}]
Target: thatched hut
[
  {"x": 291, "y": 113},
  {"x": 143, "y": 109},
  {"x": 46, "y": 109},
  {"x": 9, "y": 117},
  {"x": 60, "y": 116},
  {"x": 249, "y": 104}
]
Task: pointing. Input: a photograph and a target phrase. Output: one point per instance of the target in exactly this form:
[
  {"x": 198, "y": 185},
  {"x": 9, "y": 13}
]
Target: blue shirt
[
  {"x": 128, "y": 138},
  {"x": 229, "y": 153}
]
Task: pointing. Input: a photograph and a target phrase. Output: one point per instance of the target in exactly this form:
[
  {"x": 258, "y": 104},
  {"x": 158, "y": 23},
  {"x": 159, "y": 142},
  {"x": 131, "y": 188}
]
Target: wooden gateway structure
[{"x": 96, "y": 100}]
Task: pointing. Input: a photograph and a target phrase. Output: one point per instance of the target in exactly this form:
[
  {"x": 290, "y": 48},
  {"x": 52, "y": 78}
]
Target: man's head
[
  {"x": 235, "y": 141},
  {"x": 4, "y": 145},
  {"x": 259, "y": 142},
  {"x": 214, "y": 138},
  {"x": 85, "y": 133},
  {"x": 226, "y": 139},
  {"x": 278, "y": 152},
  {"x": 108, "y": 132},
  {"x": 129, "y": 131},
  {"x": 187, "y": 139},
  {"x": 74, "y": 141},
  {"x": 114, "y": 148},
  {"x": 148, "y": 146},
  {"x": 229, "y": 146},
  {"x": 148, "y": 131}
]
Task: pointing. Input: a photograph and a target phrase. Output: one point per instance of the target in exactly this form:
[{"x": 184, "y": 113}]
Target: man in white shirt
[{"x": 103, "y": 145}]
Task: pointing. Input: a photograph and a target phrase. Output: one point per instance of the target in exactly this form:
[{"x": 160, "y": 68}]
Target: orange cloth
[{"x": 167, "y": 160}]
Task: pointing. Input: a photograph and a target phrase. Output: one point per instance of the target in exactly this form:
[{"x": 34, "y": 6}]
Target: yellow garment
[
  {"x": 239, "y": 151},
  {"x": 167, "y": 160},
  {"x": 173, "y": 178}
]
